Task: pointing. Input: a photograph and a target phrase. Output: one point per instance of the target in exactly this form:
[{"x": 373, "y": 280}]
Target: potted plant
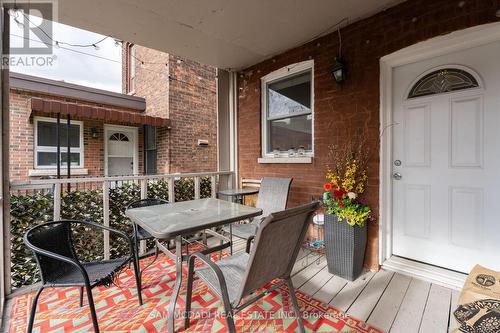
[{"x": 346, "y": 213}]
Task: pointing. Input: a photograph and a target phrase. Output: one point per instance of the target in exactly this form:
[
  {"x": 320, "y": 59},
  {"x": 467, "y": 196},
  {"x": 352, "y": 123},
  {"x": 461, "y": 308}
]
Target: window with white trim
[
  {"x": 46, "y": 143},
  {"x": 287, "y": 110}
]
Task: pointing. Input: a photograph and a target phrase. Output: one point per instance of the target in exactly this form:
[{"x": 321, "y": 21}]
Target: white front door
[
  {"x": 120, "y": 150},
  {"x": 446, "y": 159}
]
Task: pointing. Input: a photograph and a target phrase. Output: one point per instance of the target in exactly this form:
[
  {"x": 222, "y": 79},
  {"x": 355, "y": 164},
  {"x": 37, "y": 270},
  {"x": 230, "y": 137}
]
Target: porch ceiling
[{"x": 223, "y": 33}]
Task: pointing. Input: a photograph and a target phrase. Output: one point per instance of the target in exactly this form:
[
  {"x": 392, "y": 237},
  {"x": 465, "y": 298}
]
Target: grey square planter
[{"x": 345, "y": 248}]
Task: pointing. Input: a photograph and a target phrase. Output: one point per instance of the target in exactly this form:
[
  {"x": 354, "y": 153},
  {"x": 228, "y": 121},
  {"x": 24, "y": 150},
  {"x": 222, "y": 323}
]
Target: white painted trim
[
  {"x": 289, "y": 160},
  {"x": 53, "y": 172},
  {"x": 455, "y": 41},
  {"x": 36, "y": 149},
  {"x": 233, "y": 128},
  {"x": 135, "y": 132},
  {"x": 433, "y": 274},
  {"x": 281, "y": 74}
]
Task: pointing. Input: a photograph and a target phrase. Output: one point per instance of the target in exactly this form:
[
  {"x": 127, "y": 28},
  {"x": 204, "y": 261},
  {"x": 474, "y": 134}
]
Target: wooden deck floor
[{"x": 391, "y": 301}]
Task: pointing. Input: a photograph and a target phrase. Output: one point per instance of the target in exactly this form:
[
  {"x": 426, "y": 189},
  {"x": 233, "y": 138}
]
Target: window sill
[
  {"x": 53, "y": 172},
  {"x": 285, "y": 160}
]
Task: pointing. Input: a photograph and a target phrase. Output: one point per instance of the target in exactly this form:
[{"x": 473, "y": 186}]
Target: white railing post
[
  {"x": 171, "y": 189},
  {"x": 196, "y": 187},
  {"x": 57, "y": 202},
  {"x": 105, "y": 209},
  {"x": 213, "y": 186},
  {"x": 144, "y": 188},
  {"x": 144, "y": 195}
]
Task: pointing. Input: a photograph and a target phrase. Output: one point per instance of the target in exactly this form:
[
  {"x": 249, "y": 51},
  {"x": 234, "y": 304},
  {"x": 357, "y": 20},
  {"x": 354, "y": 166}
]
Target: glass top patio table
[
  {"x": 181, "y": 218},
  {"x": 176, "y": 219}
]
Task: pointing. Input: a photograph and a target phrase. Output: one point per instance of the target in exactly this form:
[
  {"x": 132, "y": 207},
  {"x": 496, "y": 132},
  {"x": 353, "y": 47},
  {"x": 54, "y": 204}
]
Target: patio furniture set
[{"x": 234, "y": 279}]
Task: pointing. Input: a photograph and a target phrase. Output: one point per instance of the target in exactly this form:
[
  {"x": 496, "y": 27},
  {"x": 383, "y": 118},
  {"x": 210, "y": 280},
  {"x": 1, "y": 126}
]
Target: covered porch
[{"x": 387, "y": 47}]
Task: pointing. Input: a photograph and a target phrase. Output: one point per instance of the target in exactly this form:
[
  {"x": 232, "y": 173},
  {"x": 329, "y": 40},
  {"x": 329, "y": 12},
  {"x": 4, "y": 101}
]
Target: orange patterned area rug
[{"x": 118, "y": 309}]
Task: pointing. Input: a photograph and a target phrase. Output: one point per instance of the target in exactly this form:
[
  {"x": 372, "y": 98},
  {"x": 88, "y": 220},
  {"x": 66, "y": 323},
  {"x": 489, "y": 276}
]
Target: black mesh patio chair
[
  {"x": 53, "y": 248},
  {"x": 139, "y": 234},
  {"x": 273, "y": 196},
  {"x": 237, "y": 277}
]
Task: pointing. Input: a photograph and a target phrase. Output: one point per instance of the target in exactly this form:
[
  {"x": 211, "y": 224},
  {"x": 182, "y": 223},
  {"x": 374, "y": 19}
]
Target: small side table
[{"x": 237, "y": 194}]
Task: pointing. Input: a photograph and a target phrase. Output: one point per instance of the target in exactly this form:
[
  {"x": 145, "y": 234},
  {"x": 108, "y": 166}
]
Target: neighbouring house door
[
  {"x": 121, "y": 150},
  {"x": 446, "y": 159}
]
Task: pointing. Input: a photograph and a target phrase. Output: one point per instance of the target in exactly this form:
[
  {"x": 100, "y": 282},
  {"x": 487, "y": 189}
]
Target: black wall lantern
[
  {"x": 94, "y": 133},
  {"x": 339, "y": 70}
]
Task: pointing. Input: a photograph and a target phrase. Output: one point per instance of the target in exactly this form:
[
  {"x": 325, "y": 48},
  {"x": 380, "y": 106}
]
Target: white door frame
[
  {"x": 455, "y": 41},
  {"x": 108, "y": 128}
]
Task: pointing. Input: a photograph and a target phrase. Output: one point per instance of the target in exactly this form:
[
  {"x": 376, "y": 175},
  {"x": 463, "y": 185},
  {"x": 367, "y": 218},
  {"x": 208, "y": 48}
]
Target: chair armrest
[
  {"x": 111, "y": 230},
  {"x": 249, "y": 244},
  {"x": 218, "y": 273}
]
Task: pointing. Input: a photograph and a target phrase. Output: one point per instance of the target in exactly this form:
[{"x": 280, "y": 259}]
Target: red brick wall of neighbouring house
[
  {"x": 151, "y": 79},
  {"x": 192, "y": 110},
  {"x": 188, "y": 98},
  {"x": 22, "y": 136},
  {"x": 354, "y": 105}
]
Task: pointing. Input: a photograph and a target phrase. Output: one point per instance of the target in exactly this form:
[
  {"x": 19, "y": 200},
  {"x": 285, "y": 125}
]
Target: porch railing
[{"x": 101, "y": 199}]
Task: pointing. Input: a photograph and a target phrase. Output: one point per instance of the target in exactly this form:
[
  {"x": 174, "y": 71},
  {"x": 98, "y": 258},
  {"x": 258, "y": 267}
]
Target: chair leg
[
  {"x": 137, "y": 277},
  {"x": 296, "y": 309},
  {"x": 229, "y": 315},
  {"x": 81, "y": 296},
  {"x": 92, "y": 308},
  {"x": 33, "y": 310},
  {"x": 189, "y": 292}
]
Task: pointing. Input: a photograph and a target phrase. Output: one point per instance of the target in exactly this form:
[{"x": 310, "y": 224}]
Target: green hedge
[{"x": 31, "y": 209}]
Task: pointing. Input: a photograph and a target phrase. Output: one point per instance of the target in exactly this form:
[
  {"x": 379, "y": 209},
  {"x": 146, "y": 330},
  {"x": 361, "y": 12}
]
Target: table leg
[
  {"x": 231, "y": 237},
  {"x": 177, "y": 287}
]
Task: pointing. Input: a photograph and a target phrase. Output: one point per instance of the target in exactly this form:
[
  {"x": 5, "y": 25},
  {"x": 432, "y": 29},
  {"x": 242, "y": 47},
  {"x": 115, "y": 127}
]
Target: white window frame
[
  {"x": 49, "y": 149},
  {"x": 278, "y": 75}
]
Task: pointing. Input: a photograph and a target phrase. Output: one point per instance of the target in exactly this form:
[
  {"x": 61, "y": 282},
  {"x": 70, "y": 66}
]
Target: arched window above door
[
  {"x": 442, "y": 81},
  {"x": 118, "y": 137}
]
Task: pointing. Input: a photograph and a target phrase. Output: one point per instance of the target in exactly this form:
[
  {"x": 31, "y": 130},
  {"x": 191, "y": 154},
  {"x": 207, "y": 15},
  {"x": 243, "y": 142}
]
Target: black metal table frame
[
  {"x": 179, "y": 257},
  {"x": 178, "y": 267}
]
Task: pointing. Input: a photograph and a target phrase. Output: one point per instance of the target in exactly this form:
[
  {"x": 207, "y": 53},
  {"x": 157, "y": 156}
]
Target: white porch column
[{"x": 227, "y": 129}]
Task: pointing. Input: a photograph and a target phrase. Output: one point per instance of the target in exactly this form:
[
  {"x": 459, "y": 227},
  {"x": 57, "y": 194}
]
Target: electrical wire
[
  {"x": 57, "y": 42},
  {"x": 170, "y": 77}
]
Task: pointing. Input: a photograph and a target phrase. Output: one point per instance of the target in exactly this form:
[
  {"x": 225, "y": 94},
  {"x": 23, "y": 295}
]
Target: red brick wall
[
  {"x": 188, "y": 98},
  {"x": 22, "y": 136},
  {"x": 192, "y": 109},
  {"x": 356, "y": 103},
  {"x": 151, "y": 79}
]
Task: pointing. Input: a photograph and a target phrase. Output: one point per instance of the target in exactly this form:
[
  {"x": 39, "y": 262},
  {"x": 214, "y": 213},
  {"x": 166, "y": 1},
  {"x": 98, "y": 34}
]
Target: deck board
[
  {"x": 330, "y": 289},
  {"x": 344, "y": 299},
  {"x": 369, "y": 296},
  {"x": 385, "y": 311},
  {"x": 306, "y": 274},
  {"x": 412, "y": 308},
  {"x": 305, "y": 262},
  {"x": 453, "y": 305},
  {"x": 437, "y": 310},
  {"x": 316, "y": 282}
]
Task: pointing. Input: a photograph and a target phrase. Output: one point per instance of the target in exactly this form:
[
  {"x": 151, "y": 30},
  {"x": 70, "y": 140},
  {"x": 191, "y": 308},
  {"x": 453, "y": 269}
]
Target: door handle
[{"x": 397, "y": 176}]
